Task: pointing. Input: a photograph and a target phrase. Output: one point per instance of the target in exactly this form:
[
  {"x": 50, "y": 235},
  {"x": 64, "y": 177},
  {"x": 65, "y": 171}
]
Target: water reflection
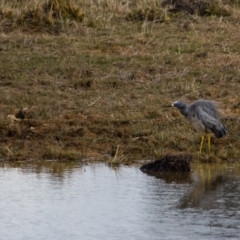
[
  {"x": 213, "y": 181},
  {"x": 173, "y": 177},
  {"x": 59, "y": 200},
  {"x": 55, "y": 169}
]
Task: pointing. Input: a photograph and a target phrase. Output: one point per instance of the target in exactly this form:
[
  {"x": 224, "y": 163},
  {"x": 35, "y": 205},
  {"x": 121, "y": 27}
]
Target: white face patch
[{"x": 175, "y": 103}]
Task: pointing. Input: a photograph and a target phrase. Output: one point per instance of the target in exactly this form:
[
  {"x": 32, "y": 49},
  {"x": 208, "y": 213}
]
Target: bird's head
[{"x": 180, "y": 105}]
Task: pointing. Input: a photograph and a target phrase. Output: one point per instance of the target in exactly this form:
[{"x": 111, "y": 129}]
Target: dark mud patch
[{"x": 169, "y": 163}]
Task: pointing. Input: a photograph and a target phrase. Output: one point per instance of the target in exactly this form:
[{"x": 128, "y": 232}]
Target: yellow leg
[
  {"x": 201, "y": 144},
  {"x": 209, "y": 143}
]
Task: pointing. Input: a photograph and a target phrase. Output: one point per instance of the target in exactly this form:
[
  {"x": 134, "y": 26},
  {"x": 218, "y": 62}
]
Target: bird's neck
[{"x": 184, "y": 112}]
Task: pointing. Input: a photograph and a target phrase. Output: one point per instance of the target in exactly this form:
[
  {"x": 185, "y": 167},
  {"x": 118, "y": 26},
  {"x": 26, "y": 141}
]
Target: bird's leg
[
  {"x": 201, "y": 144},
  {"x": 209, "y": 142}
]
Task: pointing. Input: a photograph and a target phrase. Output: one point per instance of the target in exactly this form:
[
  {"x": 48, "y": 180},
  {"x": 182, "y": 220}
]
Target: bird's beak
[{"x": 166, "y": 106}]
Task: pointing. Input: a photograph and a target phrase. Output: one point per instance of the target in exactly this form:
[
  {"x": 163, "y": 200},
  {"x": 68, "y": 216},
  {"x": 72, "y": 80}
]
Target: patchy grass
[{"x": 97, "y": 78}]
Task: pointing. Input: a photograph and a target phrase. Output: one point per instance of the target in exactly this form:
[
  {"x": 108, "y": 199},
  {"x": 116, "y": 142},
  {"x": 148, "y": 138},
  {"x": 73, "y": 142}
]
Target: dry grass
[{"x": 93, "y": 78}]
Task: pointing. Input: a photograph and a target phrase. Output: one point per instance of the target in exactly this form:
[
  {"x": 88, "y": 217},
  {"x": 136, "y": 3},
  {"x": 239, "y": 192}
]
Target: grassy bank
[{"x": 91, "y": 79}]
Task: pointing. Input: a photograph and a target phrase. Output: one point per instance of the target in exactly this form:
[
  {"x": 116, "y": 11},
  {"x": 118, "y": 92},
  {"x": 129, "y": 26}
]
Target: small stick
[
  {"x": 9, "y": 150},
  {"x": 90, "y": 105}
]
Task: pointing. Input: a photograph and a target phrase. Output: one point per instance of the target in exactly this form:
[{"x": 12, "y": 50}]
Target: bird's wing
[
  {"x": 211, "y": 122},
  {"x": 207, "y": 120},
  {"x": 211, "y": 108}
]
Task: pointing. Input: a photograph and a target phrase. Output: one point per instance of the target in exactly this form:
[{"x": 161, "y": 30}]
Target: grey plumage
[{"x": 204, "y": 116}]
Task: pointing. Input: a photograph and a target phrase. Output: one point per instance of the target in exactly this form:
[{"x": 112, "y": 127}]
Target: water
[{"x": 74, "y": 201}]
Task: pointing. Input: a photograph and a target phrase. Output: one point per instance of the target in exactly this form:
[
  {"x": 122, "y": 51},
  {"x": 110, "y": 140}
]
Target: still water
[{"x": 75, "y": 201}]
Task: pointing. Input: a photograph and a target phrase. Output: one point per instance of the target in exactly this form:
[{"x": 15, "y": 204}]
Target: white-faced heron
[{"x": 204, "y": 116}]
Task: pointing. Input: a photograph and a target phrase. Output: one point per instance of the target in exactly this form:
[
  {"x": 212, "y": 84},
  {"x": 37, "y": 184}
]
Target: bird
[{"x": 205, "y": 118}]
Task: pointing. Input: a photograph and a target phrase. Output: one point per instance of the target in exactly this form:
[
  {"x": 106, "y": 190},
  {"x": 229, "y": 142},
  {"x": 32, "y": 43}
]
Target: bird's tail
[{"x": 219, "y": 130}]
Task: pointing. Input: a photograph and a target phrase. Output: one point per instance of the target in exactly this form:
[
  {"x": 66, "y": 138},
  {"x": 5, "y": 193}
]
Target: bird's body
[{"x": 204, "y": 116}]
